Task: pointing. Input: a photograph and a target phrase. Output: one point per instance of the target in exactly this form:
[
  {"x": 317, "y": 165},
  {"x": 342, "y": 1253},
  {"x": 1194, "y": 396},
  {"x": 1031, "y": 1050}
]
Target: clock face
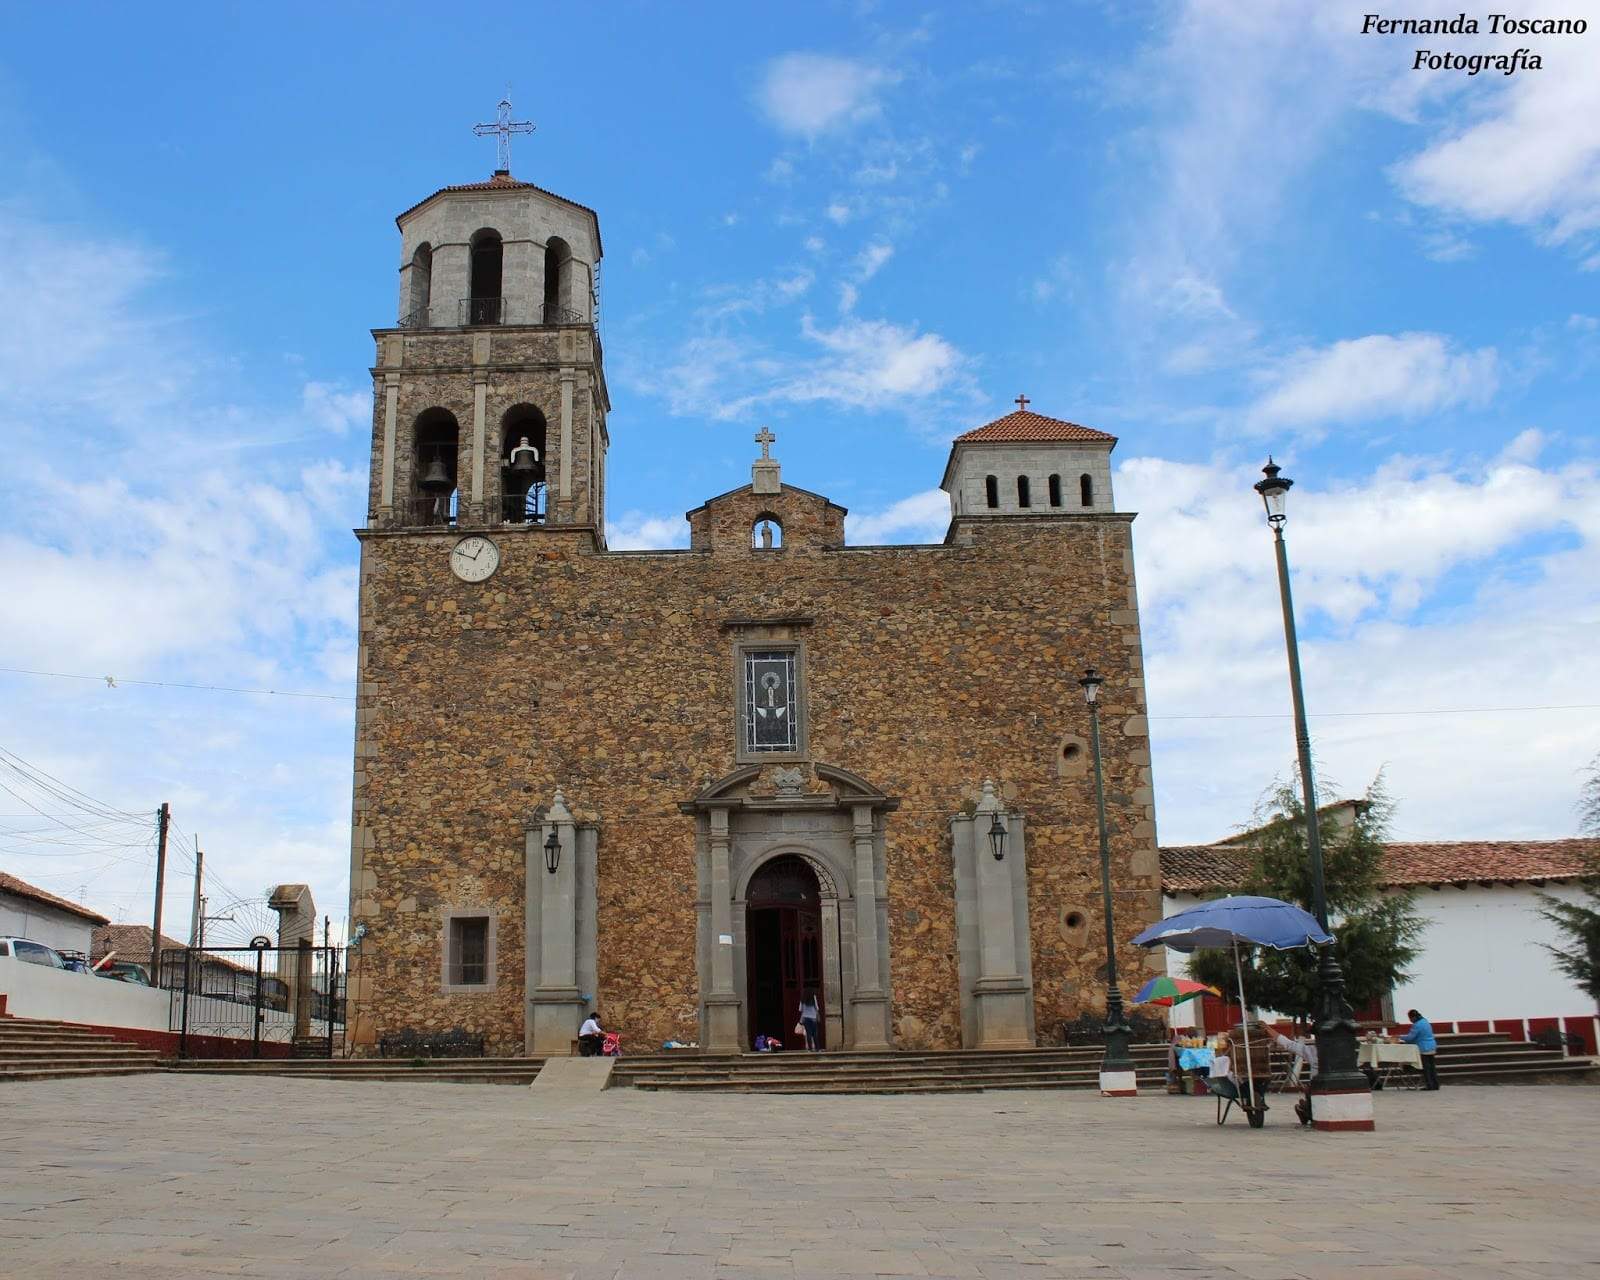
[{"x": 474, "y": 558}]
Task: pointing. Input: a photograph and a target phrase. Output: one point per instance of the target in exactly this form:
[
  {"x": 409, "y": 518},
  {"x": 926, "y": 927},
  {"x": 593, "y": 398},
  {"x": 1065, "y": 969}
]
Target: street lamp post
[
  {"x": 1118, "y": 1079},
  {"x": 1341, "y": 1096}
]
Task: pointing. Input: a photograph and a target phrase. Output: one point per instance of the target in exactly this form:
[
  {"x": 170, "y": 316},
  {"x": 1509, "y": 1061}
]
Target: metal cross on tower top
[
  {"x": 505, "y": 126},
  {"x": 1022, "y": 402},
  {"x": 764, "y": 438}
]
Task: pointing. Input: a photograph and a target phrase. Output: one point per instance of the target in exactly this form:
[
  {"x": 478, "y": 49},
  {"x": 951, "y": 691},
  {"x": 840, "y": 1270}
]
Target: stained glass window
[{"x": 771, "y": 709}]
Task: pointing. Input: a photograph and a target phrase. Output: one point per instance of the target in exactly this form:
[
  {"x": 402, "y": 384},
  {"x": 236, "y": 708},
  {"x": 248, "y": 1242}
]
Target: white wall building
[
  {"x": 30, "y": 912},
  {"x": 1481, "y": 961}
]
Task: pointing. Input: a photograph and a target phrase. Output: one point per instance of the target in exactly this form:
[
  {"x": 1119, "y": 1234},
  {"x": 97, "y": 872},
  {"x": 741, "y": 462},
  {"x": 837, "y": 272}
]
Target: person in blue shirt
[{"x": 1421, "y": 1035}]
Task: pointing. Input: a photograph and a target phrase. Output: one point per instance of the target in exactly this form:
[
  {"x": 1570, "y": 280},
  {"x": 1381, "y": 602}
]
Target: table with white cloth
[{"x": 1394, "y": 1063}]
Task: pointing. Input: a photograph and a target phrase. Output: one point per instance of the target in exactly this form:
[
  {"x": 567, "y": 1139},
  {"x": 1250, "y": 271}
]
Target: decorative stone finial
[
  {"x": 989, "y": 802},
  {"x": 559, "y": 813}
]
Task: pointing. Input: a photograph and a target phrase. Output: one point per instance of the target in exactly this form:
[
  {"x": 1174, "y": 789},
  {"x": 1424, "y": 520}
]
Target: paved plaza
[{"x": 171, "y": 1176}]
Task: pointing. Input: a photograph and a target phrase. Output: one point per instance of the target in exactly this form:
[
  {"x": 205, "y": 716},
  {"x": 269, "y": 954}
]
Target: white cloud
[
  {"x": 810, "y": 94},
  {"x": 1529, "y": 156},
  {"x": 640, "y": 531},
  {"x": 335, "y": 409},
  {"x": 1380, "y": 375},
  {"x": 923, "y": 517},
  {"x": 1371, "y": 560},
  {"x": 871, "y": 259},
  {"x": 838, "y": 213},
  {"x": 871, "y": 360}
]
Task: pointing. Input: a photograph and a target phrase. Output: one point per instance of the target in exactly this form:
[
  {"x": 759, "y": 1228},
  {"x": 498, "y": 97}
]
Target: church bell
[{"x": 435, "y": 478}]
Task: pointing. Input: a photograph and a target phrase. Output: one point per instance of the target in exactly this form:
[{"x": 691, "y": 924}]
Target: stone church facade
[{"x": 688, "y": 787}]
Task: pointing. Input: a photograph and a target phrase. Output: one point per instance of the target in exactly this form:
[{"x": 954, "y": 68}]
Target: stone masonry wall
[{"x": 929, "y": 668}]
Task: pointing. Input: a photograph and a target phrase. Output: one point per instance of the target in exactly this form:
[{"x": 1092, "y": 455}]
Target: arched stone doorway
[
  {"x": 783, "y": 948},
  {"x": 832, "y": 823}
]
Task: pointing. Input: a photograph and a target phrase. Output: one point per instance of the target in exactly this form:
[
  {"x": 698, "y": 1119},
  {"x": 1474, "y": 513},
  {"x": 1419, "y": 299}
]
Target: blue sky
[{"x": 1214, "y": 230}]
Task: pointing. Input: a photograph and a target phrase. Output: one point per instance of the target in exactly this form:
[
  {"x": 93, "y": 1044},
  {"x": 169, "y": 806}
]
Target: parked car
[
  {"x": 125, "y": 971},
  {"x": 30, "y": 952}
]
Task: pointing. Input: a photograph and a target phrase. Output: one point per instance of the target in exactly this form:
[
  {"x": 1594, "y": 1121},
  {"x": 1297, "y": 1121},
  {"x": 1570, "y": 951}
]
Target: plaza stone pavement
[{"x": 171, "y": 1176}]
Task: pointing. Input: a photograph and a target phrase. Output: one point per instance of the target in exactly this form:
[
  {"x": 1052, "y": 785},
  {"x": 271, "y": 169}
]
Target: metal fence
[{"x": 256, "y": 1002}]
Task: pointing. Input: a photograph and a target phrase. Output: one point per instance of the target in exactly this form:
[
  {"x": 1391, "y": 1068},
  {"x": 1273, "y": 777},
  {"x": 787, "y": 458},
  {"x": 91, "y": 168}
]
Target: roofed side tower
[{"x": 1026, "y": 464}]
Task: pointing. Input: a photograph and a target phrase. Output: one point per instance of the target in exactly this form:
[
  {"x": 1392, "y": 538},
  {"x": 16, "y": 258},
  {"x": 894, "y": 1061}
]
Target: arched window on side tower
[
  {"x": 1024, "y": 498},
  {"x": 558, "y": 308},
  {"x": 485, "y": 305},
  {"x": 1055, "y": 491},
  {"x": 991, "y": 491},
  {"x": 1086, "y": 489},
  {"x": 436, "y": 437},
  {"x": 522, "y": 473},
  {"x": 421, "y": 288}
]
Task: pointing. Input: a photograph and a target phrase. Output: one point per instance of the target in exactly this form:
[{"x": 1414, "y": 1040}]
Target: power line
[
  {"x": 1423, "y": 711},
  {"x": 113, "y": 681}
]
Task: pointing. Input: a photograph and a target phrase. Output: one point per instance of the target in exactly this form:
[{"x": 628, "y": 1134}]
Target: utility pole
[
  {"x": 163, "y": 819},
  {"x": 194, "y": 921}
]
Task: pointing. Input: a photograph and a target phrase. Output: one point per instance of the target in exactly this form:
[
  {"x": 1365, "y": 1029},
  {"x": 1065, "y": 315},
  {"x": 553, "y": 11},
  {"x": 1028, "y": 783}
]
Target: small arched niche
[
  {"x": 1055, "y": 490},
  {"x": 991, "y": 491},
  {"x": 436, "y": 436},
  {"x": 523, "y": 428},
  {"x": 487, "y": 256},
  {"x": 766, "y": 534},
  {"x": 1086, "y": 489},
  {"x": 1024, "y": 494},
  {"x": 1072, "y": 756},
  {"x": 558, "y": 308},
  {"x": 421, "y": 288}
]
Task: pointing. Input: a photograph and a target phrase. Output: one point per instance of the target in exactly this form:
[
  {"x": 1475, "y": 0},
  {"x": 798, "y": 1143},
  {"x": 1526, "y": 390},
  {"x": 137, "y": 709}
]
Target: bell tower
[{"x": 489, "y": 392}]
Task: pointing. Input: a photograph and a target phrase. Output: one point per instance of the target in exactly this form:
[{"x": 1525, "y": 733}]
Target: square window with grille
[
  {"x": 771, "y": 703},
  {"x": 468, "y": 963}
]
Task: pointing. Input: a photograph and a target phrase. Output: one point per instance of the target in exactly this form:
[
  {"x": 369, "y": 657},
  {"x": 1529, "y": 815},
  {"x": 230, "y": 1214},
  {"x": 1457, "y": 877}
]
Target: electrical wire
[{"x": 113, "y": 681}]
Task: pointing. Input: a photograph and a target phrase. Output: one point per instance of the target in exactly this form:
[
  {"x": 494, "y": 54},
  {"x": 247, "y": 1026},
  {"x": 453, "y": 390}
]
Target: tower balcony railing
[
  {"x": 433, "y": 510},
  {"x": 481, "y": 311},
  {"x": 523, "y": 508}
]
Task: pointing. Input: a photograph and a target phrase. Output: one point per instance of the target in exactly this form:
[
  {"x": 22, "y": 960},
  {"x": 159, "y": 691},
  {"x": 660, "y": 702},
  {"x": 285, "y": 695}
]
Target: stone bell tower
[{"x": 489, "y": 395}]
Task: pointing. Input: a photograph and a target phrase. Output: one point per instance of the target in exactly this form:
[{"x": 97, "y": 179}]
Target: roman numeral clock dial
[{"x": 474, "y": 558}]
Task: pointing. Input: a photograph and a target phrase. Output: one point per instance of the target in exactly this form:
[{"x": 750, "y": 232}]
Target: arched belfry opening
[
  {"x": 434, "y": 496},
  {"x": 558, "y": 306},
  {"x": 523, "y": 434},
  {"x": 484, "y": 306},
  {"x": 421, "y": 288},
  {"x": 783, "y": 948}
]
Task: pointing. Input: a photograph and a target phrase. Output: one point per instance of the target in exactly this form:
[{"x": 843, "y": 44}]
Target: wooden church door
[{"x": 783, "y": 945}]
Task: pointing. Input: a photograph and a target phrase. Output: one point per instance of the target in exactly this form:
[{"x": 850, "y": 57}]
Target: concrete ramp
[{"x": 574, "y": 1075}]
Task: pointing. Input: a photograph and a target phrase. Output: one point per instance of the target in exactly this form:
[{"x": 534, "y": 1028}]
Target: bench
[{"x": 458, "y": 1043}]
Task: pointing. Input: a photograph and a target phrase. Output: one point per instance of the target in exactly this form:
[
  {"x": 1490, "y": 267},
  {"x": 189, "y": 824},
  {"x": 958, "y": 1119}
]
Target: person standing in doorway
[
  {"x": 1421, "y": 1035},
  {"x": 809, "y": 1017}
]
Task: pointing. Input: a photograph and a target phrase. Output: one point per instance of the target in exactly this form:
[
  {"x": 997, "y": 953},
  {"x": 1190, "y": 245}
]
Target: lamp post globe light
[
  {"x": 1118, "y": 1079},
  {"x": 1340, "y": 1095}
]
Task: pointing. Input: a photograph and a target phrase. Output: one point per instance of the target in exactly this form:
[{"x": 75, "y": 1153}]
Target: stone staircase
[
  {"x": 36, "y": 1049},
  {"x": 1463, "y": 1059},
  {"x": 443, "y": 1070}
]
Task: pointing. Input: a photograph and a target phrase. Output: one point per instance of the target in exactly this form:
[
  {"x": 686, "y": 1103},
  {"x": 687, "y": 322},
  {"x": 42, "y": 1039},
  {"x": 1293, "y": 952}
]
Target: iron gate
[{"x": 256, "y": 1002}]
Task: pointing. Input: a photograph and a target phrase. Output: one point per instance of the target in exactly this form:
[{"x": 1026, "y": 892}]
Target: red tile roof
[
  {"x": 1208, "y": 868},
  {"x": 129, "y": 941},
  {"x": 1024, "y": 425},
  {"x": 22, "y": 889}
]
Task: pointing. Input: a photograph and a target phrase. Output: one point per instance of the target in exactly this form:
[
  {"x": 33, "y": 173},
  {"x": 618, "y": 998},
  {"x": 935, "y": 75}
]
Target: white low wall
[{"x": 32, "y": 991}]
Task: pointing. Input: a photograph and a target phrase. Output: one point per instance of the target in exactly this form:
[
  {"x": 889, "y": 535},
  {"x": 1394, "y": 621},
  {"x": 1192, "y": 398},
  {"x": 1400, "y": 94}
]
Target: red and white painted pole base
[
  {"x": 1119, "y": 1084},
  {"x": 1342, "y": 1110}
]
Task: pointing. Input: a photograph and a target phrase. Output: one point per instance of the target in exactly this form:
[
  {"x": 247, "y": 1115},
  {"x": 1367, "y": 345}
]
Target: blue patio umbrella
[{"x": 1262, "y": 922}]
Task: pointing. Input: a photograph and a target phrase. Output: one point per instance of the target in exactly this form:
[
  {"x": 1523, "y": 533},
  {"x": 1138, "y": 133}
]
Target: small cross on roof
[
  {"x": 1022, "y": 402},
  {"x": 764, "y": 438}
]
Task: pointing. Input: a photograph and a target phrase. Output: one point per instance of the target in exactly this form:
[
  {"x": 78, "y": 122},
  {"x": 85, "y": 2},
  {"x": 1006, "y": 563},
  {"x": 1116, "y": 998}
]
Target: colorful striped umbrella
[{"x": 1167, "y": 991}]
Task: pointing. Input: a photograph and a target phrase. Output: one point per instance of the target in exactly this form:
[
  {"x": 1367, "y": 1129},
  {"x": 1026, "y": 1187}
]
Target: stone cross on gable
[
  {"x": 504, "y": 126},
  {"x": 764, "y": 471},
  {"x": 1022, "y": 402}
]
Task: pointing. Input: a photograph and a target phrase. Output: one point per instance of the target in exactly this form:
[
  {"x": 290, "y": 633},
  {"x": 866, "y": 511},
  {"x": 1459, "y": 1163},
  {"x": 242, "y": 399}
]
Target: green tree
[
  {"x": 1376, "y": 931},
  {"x": 1578, "y": 953}
]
